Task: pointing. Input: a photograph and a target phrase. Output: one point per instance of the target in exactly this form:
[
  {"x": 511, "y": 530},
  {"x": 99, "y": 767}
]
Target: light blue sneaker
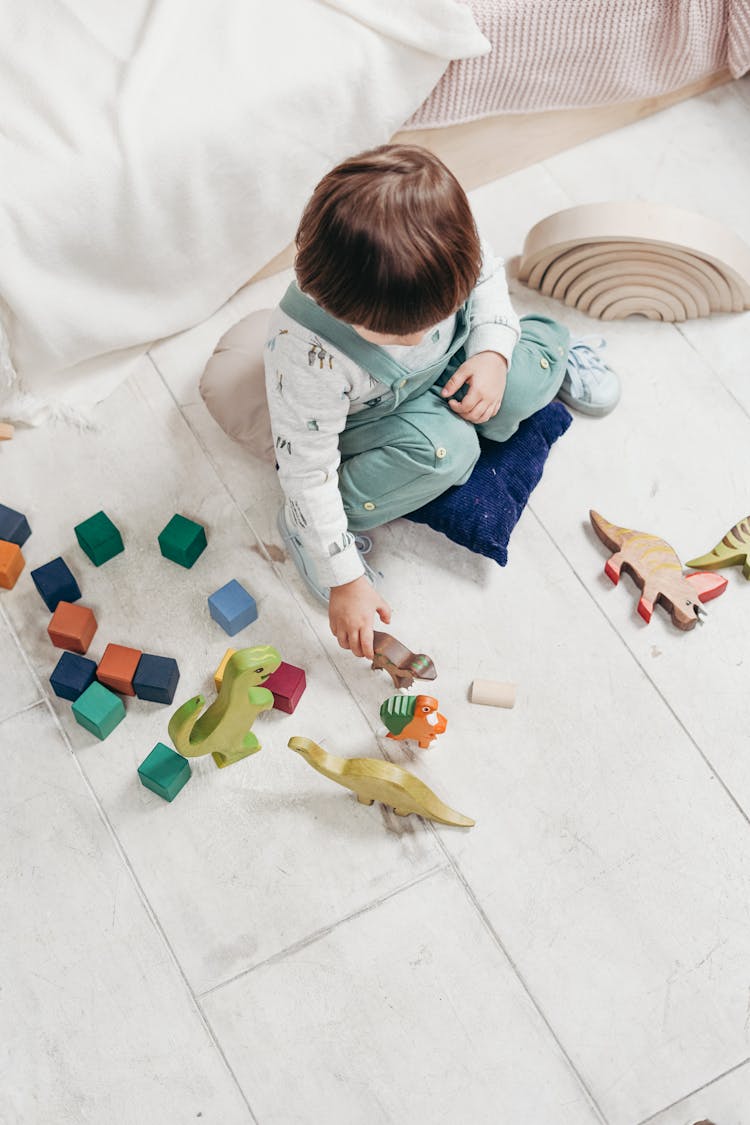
[
  {"x": 293, "y": 545},
  {"x": 590, "y": 385}
]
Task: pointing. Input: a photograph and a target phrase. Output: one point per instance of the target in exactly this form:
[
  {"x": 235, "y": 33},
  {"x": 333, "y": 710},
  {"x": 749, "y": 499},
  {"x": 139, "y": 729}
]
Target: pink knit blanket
[{"x": 561, "y": 54}]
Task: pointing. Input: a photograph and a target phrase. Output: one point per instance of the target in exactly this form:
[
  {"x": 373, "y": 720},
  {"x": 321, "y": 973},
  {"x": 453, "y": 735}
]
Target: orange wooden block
[
  {"x": 12, "y": 563},
  {"x": 72, "y": 627},
  {"x": 117, "y": 668}
]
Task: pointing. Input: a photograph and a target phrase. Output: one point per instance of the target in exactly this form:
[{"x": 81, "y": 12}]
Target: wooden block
[
  {"x": 14, "y": 527},
  {"x": 493, "y": 694},
  {"x": 164, "y": 772},
  {"x": 117, "y": 668},
  {"x": 98, "y": 710},
  {"x": 286, "y": 684},
  {"x": 219, "y": 673},
  {"x": 72, "y": 627},
  {"x": 232, "y": 607},
  {"x": 99, "y": 538},
  {"x": 182, "y": 541},
  {"x": 56, "y": 583},
  {"x": 6, "y": 431},
  {"x": 72, "y": 675},
  {"x": 156, "y": 678},
  {"x": 12, "y": 563}
]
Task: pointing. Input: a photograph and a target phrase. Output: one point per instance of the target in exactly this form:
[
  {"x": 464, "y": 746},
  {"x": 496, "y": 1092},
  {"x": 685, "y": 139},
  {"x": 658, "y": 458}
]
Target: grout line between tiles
[
  {"x": 474, "y": 901},
  {"x": 692, "y": 1093},
  {"x": 324, "y": 931},
  {"x": 717, "y": 374},
  {"x": 45, "y": 701},
  {"x": 745, "y": 816}
]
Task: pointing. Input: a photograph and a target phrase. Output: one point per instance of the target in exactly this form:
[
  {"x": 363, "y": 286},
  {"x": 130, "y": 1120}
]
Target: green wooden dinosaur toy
[
  {"x": 223, "y": 730},
  {"x": 372, "y": 779},
  {"x": 733, "y": 550}
]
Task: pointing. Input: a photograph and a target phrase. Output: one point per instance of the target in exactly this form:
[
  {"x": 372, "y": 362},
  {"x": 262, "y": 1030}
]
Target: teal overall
[{"x": 410, "y": 447}]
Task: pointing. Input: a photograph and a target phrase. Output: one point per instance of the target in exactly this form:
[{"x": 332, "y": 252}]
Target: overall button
[
  {"x": 368, "y": 506},
  {"x": 402, "y": 383},
  {"x": 544, "y": 363},
  {"x": 441, "y": 452}
]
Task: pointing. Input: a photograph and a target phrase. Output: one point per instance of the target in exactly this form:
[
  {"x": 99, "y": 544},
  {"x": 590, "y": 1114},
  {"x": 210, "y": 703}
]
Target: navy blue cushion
[{"x": 482, "y": 513}]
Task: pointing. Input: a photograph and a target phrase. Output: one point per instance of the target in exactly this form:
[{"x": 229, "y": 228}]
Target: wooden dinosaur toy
[
  {"x": 401, "y": 665},
  {"x": 413, "y": 716},
  {"x": 657, "y": 571},
  {"x": 372, "y": 779},
  {"x": 733, "y": 550},
  {"x": 223, "y": 730}
]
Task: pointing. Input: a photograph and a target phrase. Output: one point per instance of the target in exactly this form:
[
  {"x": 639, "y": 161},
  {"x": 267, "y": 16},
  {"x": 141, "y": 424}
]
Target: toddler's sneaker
[
  {"x": 590, "y": 385},
  {"x": 306, "y": 569}
]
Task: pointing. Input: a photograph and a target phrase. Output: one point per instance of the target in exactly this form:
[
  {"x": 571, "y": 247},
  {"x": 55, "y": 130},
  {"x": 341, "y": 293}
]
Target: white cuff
[
  {"x": 341, "y": 568},
  {"x": 491, "y": 338}
]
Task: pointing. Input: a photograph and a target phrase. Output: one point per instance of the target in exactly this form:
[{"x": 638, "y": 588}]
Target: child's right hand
[{"x": 350, "y": 613}]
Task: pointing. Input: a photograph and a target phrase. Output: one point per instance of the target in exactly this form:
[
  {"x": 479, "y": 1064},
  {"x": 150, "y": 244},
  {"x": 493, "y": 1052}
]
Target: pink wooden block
[{"x": 287, "y": 684}]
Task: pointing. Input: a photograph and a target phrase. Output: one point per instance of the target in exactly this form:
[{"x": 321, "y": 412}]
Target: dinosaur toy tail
[{"x": 610, "y": 534}]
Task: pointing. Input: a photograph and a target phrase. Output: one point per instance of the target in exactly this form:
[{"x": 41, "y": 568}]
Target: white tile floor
[{"x": 265, "y": 949}]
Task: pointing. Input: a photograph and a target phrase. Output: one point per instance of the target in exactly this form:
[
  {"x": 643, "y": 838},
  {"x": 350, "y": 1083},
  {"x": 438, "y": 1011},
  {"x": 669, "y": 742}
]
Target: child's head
[{"x": 388, "y": 241}]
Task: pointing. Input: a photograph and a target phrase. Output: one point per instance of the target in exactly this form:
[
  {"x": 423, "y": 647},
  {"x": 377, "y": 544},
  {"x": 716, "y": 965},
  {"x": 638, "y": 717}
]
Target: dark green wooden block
[
  {"x": 164, "y": 772},
  {"x": 99, "y": 710},
  {"x": 99, "y": 538},
  {"x": 182, "y": 540}
]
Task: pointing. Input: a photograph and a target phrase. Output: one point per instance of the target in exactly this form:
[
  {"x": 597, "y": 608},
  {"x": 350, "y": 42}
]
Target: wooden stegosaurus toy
[
  {"x": 657, "y": 571},
  {"x": 413, "y": 716},
  {"x": 733, "y": 550}
]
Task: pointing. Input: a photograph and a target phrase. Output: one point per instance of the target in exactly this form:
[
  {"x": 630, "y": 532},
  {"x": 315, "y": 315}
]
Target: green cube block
[
  {"x": 99, "y": 710},
  {"x": 99, "y": 538},
  {"x": 164, "y": 772},
  {"x": 182, "y": 540}
]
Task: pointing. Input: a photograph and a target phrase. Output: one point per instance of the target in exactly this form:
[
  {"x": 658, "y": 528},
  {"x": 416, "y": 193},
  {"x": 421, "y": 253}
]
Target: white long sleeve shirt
[{"x": 312, "y": 388}]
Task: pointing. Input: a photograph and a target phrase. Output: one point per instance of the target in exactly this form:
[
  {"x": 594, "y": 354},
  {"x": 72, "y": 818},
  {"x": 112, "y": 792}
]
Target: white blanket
[{"x": 155, "y": 154}]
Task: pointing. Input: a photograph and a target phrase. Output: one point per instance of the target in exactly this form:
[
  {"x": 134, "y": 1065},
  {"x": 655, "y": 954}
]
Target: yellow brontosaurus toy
[{"x": 224, "y": 729}]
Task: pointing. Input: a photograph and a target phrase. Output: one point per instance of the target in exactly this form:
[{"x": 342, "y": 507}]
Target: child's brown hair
[{"x": 388, "y": 241}]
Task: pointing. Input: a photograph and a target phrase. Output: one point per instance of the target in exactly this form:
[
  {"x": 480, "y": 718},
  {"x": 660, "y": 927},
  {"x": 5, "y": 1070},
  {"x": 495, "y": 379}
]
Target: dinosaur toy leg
[
  {"x": 250, "y": 745},
  {"x": 612, "y": 567}
]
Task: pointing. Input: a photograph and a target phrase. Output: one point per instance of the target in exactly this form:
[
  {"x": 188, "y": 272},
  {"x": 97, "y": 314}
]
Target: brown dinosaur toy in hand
[
  {"x": 401, "y": 665},
  {"x": 657, "y": 571}
]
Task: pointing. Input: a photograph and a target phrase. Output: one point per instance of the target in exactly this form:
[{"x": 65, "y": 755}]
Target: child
[{"x": 396, "y": 347}]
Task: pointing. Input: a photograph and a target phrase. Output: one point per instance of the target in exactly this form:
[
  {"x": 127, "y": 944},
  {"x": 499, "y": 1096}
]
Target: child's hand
[
  {"x": 486, "y": 373},
  {"x": 350, "y": 612}
]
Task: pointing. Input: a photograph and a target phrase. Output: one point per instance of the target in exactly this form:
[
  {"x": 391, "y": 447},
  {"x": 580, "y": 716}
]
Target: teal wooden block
[
  {"x": 164, "y": 772},
  {"x": 182, "y": 540},
  {"x": 99, "y": 710},
  {"x": 99, "y": 538}
]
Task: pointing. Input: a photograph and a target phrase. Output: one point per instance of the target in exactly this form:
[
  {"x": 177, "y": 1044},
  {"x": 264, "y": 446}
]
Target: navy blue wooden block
[
  {"x": 156, "y": 678},
  {"x": 14, "y": 527},
  {"x": 72, "y": 675},
  {"x": 55, "y": 583}
]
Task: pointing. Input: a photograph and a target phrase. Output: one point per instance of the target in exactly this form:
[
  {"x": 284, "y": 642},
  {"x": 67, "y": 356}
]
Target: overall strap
[{"x": 373, "y": 359}]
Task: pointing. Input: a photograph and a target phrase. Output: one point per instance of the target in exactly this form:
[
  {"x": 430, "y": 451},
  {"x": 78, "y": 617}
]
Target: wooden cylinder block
[
  {"x": 492, "y": 693},
  {"x": 613, "y": 260}
]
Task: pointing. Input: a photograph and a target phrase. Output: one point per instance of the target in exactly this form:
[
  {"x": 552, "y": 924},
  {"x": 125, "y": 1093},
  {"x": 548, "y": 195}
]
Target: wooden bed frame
[{"x": 485, "y": 150}]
